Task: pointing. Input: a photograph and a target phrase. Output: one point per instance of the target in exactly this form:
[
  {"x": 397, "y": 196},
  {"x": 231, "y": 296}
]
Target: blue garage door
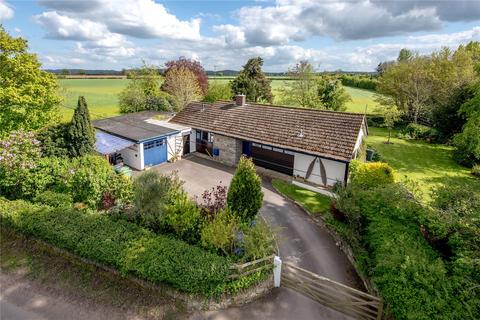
[{"x": 155, "y": 152}]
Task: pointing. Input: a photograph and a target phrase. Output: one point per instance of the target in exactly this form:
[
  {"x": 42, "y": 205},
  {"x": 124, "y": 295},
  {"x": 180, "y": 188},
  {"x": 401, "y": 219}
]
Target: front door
[{"x": 186, "y": 144}]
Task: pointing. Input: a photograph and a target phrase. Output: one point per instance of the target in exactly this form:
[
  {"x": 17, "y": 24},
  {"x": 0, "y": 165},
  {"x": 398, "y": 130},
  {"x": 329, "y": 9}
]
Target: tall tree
[
  {"x": 218, "y": 91},
  {"x": 183, "y": 86},
  {"x": 81, "y": 132},
  {"x": 302, "y": 89},
  {"x": 28, "y": 95},
  {"x": 252, "y": 82},
  {"x": 391, "y": 115},
  {"x": 331, "y": 94},
  {"x": 194, "y": 66}
]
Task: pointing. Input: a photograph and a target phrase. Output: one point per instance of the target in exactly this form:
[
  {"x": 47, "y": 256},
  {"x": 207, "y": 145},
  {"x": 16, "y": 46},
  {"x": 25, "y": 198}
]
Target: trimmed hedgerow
[{"x": 120, "y": 244}]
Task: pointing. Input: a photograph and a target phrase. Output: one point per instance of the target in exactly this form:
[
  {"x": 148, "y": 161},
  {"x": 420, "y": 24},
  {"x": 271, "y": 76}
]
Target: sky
[{"x": 350, "y": 35}]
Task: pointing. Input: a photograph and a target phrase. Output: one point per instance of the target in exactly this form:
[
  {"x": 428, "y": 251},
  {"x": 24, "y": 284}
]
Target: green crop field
[{"x": 102, "y": 95}]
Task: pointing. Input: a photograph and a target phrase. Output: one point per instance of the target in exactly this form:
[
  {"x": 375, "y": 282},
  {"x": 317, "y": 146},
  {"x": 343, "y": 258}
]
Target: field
[{"x": 102, "y": 95}]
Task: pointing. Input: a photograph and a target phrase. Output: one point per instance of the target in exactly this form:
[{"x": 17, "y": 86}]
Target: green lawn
[
  {"x": 429, "y": 165},
  {"x": 313, "y": 202}
]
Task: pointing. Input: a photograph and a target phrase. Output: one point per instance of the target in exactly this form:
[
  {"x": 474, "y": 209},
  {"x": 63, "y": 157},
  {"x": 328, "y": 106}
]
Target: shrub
[
  {"x": 219, "y": 234},
  {"x": 214, "y": 200},
  {"x": 218, "y": 91},
  {"x": 54, "y": 140},
  {"x": 183, "y": 218},
  {"x": 413, "y": 280},
  {"x": 153, "y": 192},
  {"x": 420, "y": 132},
  {"x": 476, "y": 170},
  {"x": 245, "y": 196},
  {"x": 54, "y": 199},
  {"x": 372, "y": 174},
  {"x": 258, "y": 240},
  {"x": 121, "y": 245},
  {"x": 19, "y": 153}
]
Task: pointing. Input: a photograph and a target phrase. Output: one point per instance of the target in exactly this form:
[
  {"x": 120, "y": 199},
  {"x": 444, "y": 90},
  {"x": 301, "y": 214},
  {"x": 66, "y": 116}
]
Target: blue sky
[{"x": 345, "y": 34}]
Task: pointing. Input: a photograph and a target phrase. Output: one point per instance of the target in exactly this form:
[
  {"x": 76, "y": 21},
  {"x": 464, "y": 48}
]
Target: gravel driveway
[{"x": 301, "y": 242}]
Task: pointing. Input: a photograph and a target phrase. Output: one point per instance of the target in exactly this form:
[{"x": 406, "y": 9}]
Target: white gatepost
[{"x": 277, "y": 271}]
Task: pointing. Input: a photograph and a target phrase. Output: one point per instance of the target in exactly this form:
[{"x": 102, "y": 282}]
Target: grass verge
[{"x": 53, "y": 276}]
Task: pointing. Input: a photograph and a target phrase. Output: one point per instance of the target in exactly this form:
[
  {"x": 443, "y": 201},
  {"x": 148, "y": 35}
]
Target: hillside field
[{"x": 102, "y": 95}]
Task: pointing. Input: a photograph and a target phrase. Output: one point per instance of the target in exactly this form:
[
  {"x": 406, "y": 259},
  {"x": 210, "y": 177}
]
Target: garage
[
  {"x": 273, "y": 158},
  {"x": 155, "y": 152}
]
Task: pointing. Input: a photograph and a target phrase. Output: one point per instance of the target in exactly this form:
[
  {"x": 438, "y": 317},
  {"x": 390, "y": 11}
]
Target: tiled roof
[
  {"x": 134, "y": 126},
  {"x": 324, "y": 133}
]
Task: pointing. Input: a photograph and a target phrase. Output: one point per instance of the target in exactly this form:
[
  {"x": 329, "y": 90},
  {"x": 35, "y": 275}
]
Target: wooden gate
[{"x": 331, "y": 293}]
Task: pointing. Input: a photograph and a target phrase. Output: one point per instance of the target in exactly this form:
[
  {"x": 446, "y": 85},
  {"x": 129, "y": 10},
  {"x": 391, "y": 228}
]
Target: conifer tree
[{"x": 81, "y": 131}]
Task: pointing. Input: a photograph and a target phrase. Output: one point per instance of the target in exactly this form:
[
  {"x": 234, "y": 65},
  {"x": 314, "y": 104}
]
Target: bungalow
[{"x": 314, "y": 145}]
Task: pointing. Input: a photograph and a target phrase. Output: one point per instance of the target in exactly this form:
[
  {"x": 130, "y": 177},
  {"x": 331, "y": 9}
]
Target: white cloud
[
  {"x": 139, "y": 18},
  {"x": 296, "y": 20},
  {"x": 6, "y": 12}
]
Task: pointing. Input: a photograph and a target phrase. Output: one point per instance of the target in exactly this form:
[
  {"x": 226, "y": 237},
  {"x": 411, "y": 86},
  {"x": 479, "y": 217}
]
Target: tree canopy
[
  {"x": 252, "y": 82},
  {"x": 143, "y": 91},
  {"x": 194, "y": 66},
  {"x": 183, "y": 86},
  {"x": 28, "y": 95}
]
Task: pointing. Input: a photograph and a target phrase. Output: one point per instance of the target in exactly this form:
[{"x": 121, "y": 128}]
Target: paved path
[{"x": 301, "y": 242}]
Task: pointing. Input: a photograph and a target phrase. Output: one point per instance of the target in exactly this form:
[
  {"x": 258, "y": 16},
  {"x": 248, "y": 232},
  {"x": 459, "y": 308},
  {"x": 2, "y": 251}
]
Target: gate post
[{"x": 277, "y": 271}]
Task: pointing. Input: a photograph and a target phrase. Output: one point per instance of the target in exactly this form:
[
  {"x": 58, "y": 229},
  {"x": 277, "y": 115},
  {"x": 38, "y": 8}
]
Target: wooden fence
[
  {"x": 331, "y": 293},
  {"x": 241, "y": 270}
]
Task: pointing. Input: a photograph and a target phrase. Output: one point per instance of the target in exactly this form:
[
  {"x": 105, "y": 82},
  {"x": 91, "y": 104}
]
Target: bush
[
  {"x": 258, "y": 241},
  {"x": 476, "y": 170},
  {"x": 121, "y": 245},
  {"x": 218, "y": 91},
  {"x": 219, "y": 234},
  {"x": 54, "y": 199},
  {"x": 245, "y": 196},
  {"x": 413, "y": 280},
  {"x": 153, "y": 192},
  {"x": 54, "y": 140},
  {"x": 420, "y": 132},
  {"x": 214, "y": 200},
  {"x": 375, "y": 120},
  {"x": 371, "y": 174},
  {"x": 183, "y": 218},
  {"x": 85, "y": 179}
]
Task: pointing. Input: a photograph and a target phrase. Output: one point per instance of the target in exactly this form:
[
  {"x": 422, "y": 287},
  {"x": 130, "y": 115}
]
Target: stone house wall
[{"x": 230, "y": 149}]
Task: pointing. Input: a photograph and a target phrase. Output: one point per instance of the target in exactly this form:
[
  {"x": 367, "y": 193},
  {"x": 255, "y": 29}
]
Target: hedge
[
  {"x": 413, "y": 279},
  {"x": 121, "y": 245}
]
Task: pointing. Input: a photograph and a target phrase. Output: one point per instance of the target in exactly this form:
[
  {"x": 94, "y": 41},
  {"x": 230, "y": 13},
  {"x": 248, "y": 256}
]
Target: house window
[
  {"x": 277, "y": 150},
  {"x": 256, "y": 145},
  {"x": 158, "y": 143},
  {"x": 266, "y": 147},
  {"x": 289, "y": 152},
  {"x": 198, "y": 135},
  {"x": 205, "y": 135}
]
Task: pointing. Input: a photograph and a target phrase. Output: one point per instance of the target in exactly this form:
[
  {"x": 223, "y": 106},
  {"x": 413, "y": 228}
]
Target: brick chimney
[{"x": 240, "y": 99}]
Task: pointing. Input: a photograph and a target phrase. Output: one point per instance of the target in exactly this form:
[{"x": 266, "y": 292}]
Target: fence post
[{"x": 277, "y": 271}]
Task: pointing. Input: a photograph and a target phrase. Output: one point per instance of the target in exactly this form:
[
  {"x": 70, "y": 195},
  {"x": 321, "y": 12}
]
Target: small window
[
  {"x": 210, "y": 137},
  {"x": 205, "y": 135},
  {"x": 256, "y": 145},
  {"x": 266, "y": 147},
  {"x": 199, "y": 135},
  {"x": 158, "y": 143},
  {"x": 289, "y": 152},
  {"x": 148, "y": 145},
  {"x": 278, "y": 150}
]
